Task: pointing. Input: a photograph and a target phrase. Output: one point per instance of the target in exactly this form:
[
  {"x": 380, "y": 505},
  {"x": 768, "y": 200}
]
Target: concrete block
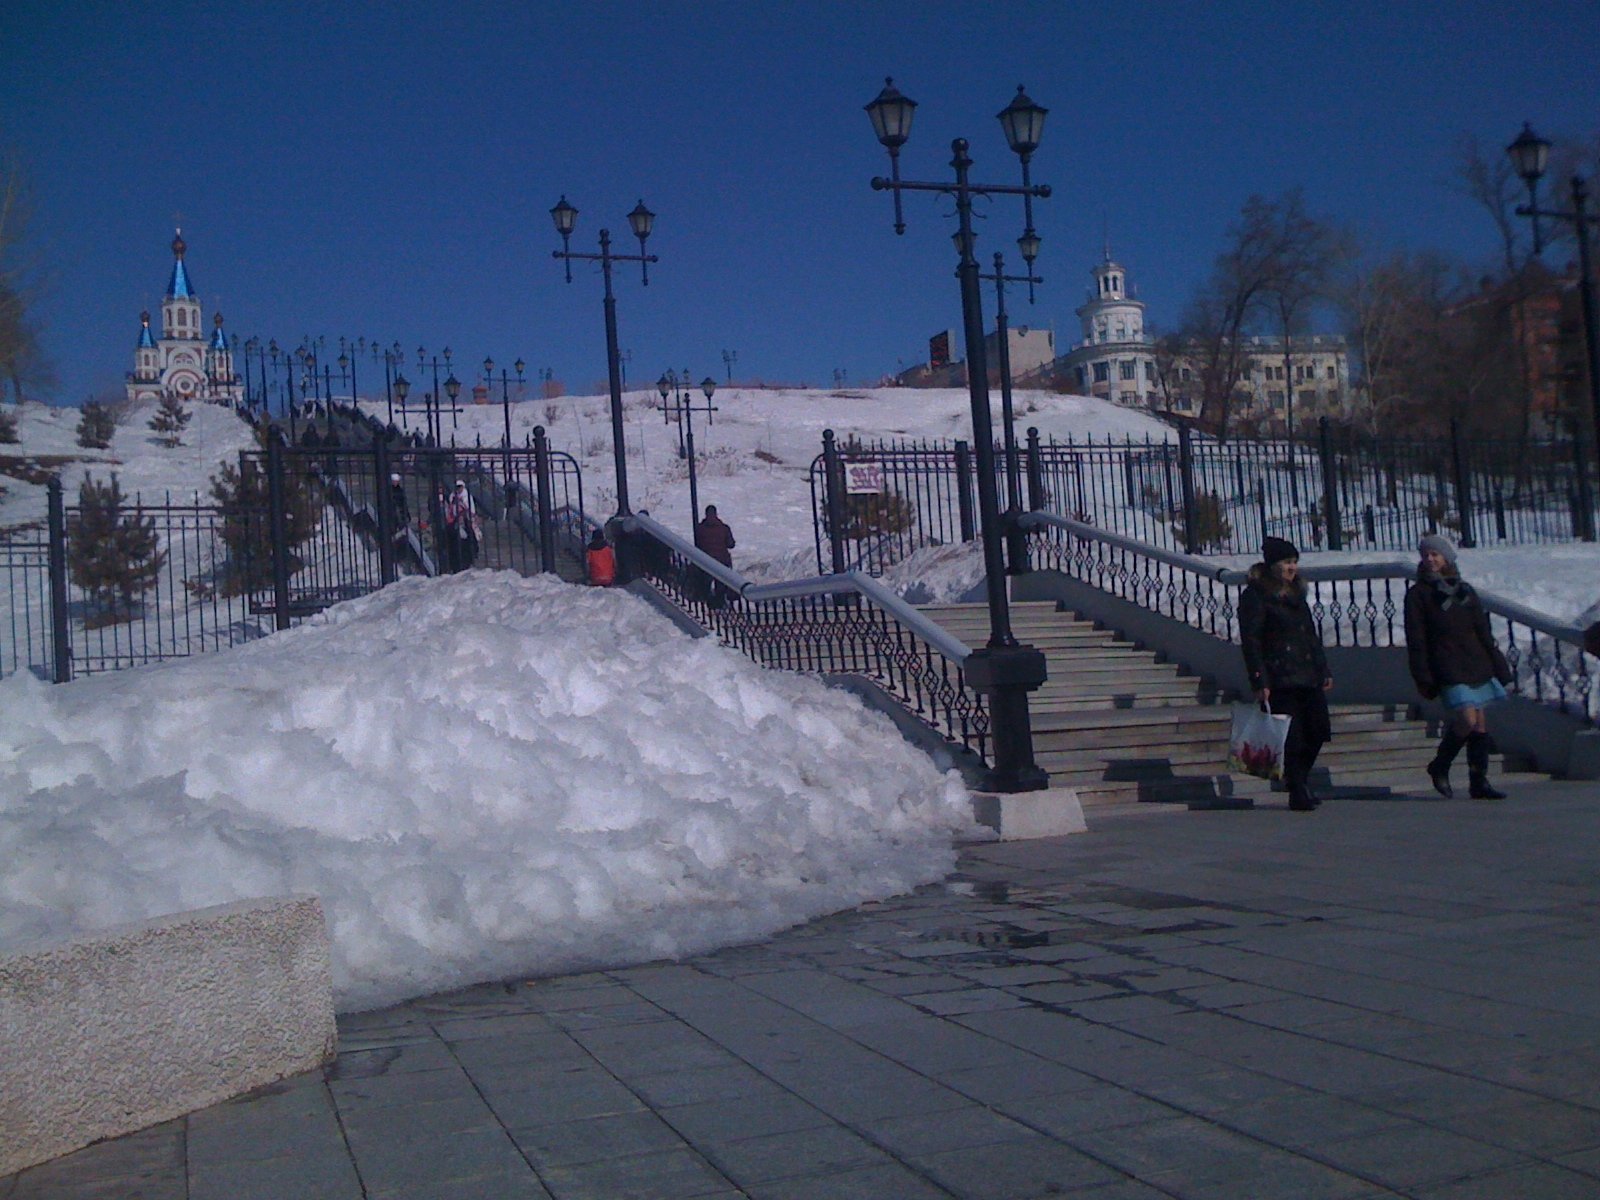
[
  {"x": 121, "y": 1029},
  {"x": 1052, "y": 812}
]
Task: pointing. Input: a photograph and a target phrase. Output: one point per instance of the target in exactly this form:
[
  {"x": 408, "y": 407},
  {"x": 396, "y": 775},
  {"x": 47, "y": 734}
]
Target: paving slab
[{"x": 1376, "y": 1000}]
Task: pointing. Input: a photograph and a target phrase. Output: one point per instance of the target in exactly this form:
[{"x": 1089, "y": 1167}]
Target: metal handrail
[
  {"x": 1546, "y": 656},
  {"x": 1320, "y": 573},
  {"x": 820, "y": 585}
]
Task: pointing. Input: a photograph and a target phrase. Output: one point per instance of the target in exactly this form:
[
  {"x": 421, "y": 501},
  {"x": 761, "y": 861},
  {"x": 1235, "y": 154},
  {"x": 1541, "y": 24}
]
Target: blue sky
[{"x": 386, "y": 170}]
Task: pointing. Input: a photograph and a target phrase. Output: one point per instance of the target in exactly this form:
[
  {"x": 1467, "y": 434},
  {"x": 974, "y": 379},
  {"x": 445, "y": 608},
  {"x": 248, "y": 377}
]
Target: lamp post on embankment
[
  {"x": 641, "y": 220},
  {"x": 1530, "y": 154},
  {"x": 1003, "y": 670}
]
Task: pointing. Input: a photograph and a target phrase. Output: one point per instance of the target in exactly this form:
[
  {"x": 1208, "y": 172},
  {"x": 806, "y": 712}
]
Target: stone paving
[{"x": 1384, "y": 998}]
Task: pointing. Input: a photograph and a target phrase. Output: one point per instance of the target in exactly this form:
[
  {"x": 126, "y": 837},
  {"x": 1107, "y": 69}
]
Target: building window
[
  {"x": 1127, "y": 366},
  {"x": 1082, "y": 379},
  {"x": 1102, "y": 372},
  {"x": 1275, "y": 398},
  {"x": 1184, "y": 374},
  {"x": 1150, "y": 370},
  {"x": 1331, "y": 374}
]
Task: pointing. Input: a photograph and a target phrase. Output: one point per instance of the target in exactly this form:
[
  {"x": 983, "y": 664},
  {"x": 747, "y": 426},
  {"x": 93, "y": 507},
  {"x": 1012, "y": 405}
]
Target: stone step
[{"x": 1122, "y": 726}]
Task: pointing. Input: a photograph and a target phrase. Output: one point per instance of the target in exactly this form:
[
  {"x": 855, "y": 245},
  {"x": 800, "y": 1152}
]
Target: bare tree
[
  {"x": 1274, "y": 248},
  {"x": 22, "y": 359},
  {"x": 1311, "y": 252}
]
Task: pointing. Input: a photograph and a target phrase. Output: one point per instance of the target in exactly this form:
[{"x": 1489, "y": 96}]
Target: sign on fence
[{"x": 863, "y": 478}]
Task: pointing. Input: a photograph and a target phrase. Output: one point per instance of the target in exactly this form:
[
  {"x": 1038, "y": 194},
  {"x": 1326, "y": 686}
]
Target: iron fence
[
  {"x": 27, "y": 640},
  {"x": 290, "y": 531},
  {"x": 1334, "y": 491}
]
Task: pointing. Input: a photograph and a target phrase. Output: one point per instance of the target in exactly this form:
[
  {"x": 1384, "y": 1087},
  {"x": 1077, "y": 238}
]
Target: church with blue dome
[{"x": 185, "y": 361}]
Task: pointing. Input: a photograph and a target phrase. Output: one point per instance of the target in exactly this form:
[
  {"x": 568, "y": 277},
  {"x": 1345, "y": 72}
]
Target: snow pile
[{"x": 482, "y": 776}]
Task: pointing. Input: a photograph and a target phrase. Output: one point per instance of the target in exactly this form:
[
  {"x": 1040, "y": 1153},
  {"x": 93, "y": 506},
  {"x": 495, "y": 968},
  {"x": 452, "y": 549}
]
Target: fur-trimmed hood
[{"x": 1262, "y": 578}]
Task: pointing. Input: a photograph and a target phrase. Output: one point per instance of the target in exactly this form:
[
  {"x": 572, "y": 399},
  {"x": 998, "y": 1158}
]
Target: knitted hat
[
  {"x": 1439, "y": 543},
  {"x": 1275, "y": 550}
]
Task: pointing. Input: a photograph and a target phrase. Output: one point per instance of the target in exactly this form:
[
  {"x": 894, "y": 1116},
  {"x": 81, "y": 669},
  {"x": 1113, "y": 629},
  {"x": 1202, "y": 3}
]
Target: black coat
[
  {"x": 1282, "y": 648},
  {"x": 1449, "y": 645}
]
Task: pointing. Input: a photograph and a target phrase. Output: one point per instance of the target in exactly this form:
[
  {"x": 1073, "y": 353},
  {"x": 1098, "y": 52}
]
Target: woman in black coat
[
  {"x": 1454, "y": 659},
  {"x": 1284, "y": 658}
]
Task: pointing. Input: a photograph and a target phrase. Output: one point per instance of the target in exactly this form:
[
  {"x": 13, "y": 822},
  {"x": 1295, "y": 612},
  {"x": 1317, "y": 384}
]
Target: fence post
[
  {"x": 1370, "y": 520},
  {"x": 964, "y": 490},
  {"x": 541, "y": 481},
  {"x": 1330, "y": 485},
  {"x": 278, "y": 530},
  {"x": 60, "y": 632},
  {"x": 1035, "y": 472},
  {"x": 833, "y": 499},
  {"x": 1186, "y": 483},
  {"x": 1463, "y": 487},
  {"x": 1499, "y": 512},
  {"x": 441, "y": 546},
  {"x": 1261, "y": 506},
  {"x": 380, "y": 469}
]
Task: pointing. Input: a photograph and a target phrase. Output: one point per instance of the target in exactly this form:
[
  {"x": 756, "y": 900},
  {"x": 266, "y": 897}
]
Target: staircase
[{"x": 1120, "y": 725}]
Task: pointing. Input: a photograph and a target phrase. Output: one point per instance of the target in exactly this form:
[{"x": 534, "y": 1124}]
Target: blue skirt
[{"x": 1459, "y": 695}]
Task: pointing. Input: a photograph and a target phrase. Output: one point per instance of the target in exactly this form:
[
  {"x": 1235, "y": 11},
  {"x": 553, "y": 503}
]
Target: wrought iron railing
[
  {"x": 846, "y": 624},
  {"x": 1330, "y": 490},
  {"x": 1358, "y": 604}
]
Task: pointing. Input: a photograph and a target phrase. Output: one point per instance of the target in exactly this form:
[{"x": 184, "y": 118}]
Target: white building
[
  {"x": 183, "y": 361},
  {"x": 1116, "y": 358}
]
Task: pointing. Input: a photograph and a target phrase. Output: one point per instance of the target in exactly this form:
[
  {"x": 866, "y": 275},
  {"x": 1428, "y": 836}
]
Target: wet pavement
[{"x": 1383, "y": 998}]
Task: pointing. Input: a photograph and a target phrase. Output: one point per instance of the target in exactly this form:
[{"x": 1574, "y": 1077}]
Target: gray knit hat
[{"x": 1439, "y": 543}]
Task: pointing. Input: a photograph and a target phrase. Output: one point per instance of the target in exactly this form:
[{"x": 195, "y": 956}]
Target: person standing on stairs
[
  {"x": 1454, "y": 659},
  {"x": 1287, "y": 666}
]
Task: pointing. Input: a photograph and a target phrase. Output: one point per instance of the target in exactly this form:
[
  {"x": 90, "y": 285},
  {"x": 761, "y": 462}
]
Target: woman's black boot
[
  {"x": 1478, "y": 769},
  {"x": 1294, "y": 777},
  {"x": 1439, "y": 769}
]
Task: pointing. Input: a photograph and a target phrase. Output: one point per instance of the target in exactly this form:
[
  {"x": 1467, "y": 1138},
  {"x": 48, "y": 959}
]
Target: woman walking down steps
[
  {"x": 1287, "y": 666},
  {"x": 1453, "y": 658}
]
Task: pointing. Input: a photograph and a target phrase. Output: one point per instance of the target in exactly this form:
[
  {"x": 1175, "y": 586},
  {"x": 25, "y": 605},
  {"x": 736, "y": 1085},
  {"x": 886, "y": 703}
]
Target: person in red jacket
[{"x": 602, "y": 561}]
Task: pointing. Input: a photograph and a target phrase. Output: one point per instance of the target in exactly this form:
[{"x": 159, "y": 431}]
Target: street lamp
[
  {"x": 391, "y": 359},
  {"x": 505, "y": 410},
  {"x": 431, "y": 405},
  {"x": 1004, "y": 670},
  {"x": 347, "y": 374},
  {"x": 641, "y": 220},
  {"x": 729, "y": 357},
  {"x": 677, "y": 401},
  {"x": 1016, "y": 539},
  {"x": 252, "y": 346},
  {"x": 1530, "y": 154}
]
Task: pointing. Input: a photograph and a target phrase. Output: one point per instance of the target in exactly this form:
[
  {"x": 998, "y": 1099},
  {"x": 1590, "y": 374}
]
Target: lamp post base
[{"x": 1006, "y": 674}]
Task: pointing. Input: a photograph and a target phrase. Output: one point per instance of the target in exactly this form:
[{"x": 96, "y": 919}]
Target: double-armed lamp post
[
  {"x": 677, "y": 402},
  {"x": 1004, "y": 670},
  {"x": 640, "y": 220},
  {"x": 1530, "y": 155},
  {"x": 505, "y": 412}
]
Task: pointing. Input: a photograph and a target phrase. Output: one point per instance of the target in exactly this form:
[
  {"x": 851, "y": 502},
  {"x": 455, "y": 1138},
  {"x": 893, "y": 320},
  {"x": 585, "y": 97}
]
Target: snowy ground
[
  {"x": 486, "y": 776},
  {"x": 215, "y": 435}
]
